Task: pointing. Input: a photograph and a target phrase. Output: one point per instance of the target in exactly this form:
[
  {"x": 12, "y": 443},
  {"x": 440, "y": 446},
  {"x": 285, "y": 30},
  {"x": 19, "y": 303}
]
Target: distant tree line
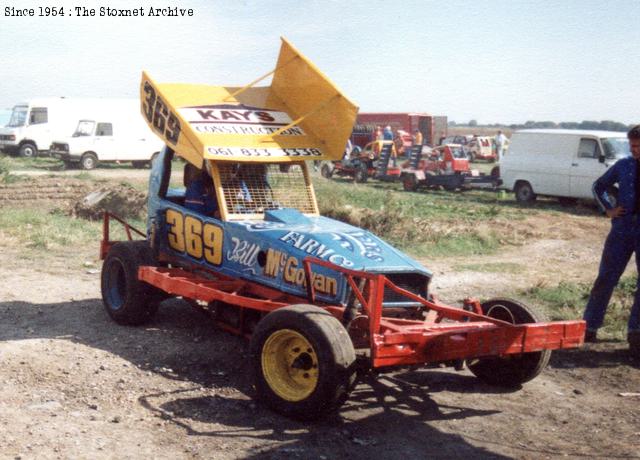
[{"x": 605, "y": 125}]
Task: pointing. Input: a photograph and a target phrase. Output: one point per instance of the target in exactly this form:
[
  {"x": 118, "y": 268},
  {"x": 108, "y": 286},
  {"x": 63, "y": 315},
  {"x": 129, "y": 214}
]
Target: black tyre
[
  {"x": 140, "y": 164},
  {"x": 524, "y": 192},
  {"x": 511, "y": 370},
  {"x": 362, "y": 174},
  {"x": 409, "y": 183},
  {"x": 303, "y": 362},
  {"x": 28, "y": 150},
  {"x": 326, "y": 171},
  {"x": 88, "y": 161},
  {"x": 127, "y": 299}
]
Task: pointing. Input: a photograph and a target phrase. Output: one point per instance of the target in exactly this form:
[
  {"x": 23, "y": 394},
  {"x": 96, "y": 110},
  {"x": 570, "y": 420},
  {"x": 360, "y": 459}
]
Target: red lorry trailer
[{"x": 432, "y": 127}]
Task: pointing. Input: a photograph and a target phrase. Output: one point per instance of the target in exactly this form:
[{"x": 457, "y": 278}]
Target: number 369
[{"x": 190, "y": 235}]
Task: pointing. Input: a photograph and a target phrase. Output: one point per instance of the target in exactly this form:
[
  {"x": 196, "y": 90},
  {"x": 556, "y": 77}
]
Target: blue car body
[{"x": 271, "y": 251}]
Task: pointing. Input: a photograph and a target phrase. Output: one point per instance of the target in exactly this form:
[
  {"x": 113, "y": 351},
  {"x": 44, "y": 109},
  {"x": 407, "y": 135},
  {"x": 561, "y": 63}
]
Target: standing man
[
  {"x": 622, "y": 241},
  {"x": 501, "y": 141},
  {"x": 417, "y": 137}
]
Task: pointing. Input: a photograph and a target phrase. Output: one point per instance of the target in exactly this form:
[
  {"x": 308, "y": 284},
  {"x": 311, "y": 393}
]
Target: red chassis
[{"x": 445, "y": 334}]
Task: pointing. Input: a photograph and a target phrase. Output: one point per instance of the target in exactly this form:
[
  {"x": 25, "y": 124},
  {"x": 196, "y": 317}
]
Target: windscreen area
[
  {"x": 615, "y": 147},
  {"x": 18, "y": 116},
  {"x": 252, "y": 188}
]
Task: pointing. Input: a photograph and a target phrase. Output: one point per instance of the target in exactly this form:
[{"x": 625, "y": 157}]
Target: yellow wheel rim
[{"x": 290, "y": 365}]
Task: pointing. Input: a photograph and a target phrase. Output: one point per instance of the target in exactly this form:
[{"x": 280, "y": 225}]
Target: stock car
[{"x": 319, "y": 299}]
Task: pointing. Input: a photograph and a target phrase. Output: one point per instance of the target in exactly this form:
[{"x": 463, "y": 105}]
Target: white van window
[
  {"x": 85, "y": 128},
  {"x": 589, "y": 148},
  {"x": 38, "y": 115},
  {"x": 615, "y": 147},
  {"x": 18, "y": 116},
  {"x": 104, "y": 129}
]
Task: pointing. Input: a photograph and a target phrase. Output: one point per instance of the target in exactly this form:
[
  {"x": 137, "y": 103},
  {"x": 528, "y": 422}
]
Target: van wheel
[
  {"x": 89, "y": 161},
  {"x": 28, "y": 150},
  {"x": 524, "y": 192}
]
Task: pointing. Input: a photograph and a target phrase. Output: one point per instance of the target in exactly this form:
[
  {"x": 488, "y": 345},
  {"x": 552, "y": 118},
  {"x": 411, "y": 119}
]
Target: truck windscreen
[
  {"x": 616, "y": 147},
  {"x": 18, "y": 116}
]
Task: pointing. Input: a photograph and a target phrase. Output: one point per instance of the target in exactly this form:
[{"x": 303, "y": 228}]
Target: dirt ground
[{"x": 73, "y": 384}]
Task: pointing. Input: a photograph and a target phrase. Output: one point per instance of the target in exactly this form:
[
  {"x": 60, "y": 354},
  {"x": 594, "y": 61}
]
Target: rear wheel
[
  {"x": 510, "y": 370},
  {"x": 409, "y": 183},
  {"x": 524, "y": 192},
  {"x": 127, "y": 299},
  {"x": 362, "y": 173},
  {"x": 89, "y": 161},
  {"x": 303, "y": 362},
  {"x": 28, "y": 150},
  {"x": 326, "y": 171}
]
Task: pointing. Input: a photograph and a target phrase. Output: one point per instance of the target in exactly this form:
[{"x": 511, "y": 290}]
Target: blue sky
[{"x": 493, "y": 61}]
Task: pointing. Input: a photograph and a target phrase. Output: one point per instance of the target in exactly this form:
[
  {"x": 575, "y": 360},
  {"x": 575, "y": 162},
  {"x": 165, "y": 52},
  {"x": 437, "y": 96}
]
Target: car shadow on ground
[{"x": 389, "y": 414}]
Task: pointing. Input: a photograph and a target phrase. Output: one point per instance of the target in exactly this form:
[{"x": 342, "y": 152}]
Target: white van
[
  {"x": 35, "y": 123},
  {"x": 117, "y": 136},
  {"x": 562, "y": 163}
]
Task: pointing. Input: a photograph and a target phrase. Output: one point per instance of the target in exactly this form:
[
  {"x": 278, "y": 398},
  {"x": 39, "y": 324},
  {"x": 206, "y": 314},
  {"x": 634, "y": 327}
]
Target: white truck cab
[
  {"x": 561, "y": 163},
  {"x": 35, "y": 122}
]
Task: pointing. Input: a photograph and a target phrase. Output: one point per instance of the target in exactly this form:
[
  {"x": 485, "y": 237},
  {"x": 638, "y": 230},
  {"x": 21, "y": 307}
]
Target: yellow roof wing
[{"x": 302, "y": 115}]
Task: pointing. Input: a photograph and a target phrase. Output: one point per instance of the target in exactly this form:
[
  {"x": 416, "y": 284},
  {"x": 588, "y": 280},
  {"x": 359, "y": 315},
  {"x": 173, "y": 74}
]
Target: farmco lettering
[{"x": 315, "y": 248}]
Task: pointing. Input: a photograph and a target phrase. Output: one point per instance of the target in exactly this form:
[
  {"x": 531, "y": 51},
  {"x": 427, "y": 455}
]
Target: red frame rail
[
  {"x": 106, "y": 243},
  {"x": 472, "y": 334}
]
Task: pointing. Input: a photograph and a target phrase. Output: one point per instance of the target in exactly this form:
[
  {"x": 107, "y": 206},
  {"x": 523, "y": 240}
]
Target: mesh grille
[{"x": 252, "y": 188}]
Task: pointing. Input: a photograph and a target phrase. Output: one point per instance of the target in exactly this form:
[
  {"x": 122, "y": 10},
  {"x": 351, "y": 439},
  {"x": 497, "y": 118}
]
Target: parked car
[
  {"x": 481, "y": 148},
  {"x": 559, "y": 162}
]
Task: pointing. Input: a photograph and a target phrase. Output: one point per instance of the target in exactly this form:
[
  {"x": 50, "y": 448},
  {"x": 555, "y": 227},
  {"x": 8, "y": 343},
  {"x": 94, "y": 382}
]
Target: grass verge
[{"x": 567, "y": 301}]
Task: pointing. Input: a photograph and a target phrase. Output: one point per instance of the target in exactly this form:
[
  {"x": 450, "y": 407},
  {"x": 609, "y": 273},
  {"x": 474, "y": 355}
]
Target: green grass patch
[
  {"x": 491, "y": 267},
  {"x": 38, "y": 163},
  {"x": 422, "y": 224},
  {"x": 55, "y": 232},
  {"x": 567, "y": 301},
  {"x": 432, "y": 204}
]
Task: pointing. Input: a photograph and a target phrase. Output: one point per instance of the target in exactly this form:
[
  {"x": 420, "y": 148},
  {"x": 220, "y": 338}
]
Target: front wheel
[
  {"x": 326, "y": 171},
  {"x": 510, "y": 370},
  {"x": 409, "y": 183},
  {"x": 303, "y": 362},
  {"x": 524, "y": 192},
  {"x": 362, "y": 174},
  {"x": 28, "y": 150},
  {"x": 89, "y": 161}
]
